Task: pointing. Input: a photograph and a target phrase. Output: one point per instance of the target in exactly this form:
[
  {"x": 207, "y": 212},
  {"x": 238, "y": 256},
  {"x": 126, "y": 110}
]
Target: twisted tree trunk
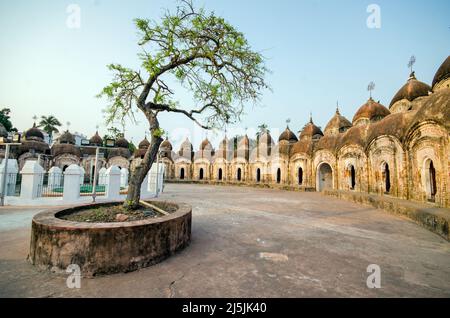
[{"x": 139, "y": 173}]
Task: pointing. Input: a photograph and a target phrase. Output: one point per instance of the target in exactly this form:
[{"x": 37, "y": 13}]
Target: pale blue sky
[{"x": 318, "y": 51}]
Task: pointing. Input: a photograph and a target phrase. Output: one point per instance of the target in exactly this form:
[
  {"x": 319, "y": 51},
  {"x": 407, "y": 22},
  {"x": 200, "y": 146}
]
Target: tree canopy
[
  {"x": 5, "y": 119},
  {"x": 49, "y": 124},
  {"x": 198, "y": 50},
  {"x": 192, "y": 49}
]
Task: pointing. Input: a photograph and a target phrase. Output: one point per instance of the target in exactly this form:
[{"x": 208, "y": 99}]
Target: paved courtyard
[{"x": 256, "y": 243}]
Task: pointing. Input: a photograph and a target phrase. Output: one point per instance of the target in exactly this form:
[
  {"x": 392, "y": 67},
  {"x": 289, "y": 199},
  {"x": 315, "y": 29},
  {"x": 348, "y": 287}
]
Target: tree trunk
[{"x": 138, "y": 175}]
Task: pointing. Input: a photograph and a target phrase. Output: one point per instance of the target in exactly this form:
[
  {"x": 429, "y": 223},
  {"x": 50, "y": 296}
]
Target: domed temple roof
[
  {"x": 119, "y": 152},
  {"x": 186, "y": 148},
  {"x": 244, "y": 142},
  {"x": 66, "y": 138},
  {"x": 186, "y": 144},
  {"x": 393, "y": 125},
  {"x": 443, "y": 72},
  {"x": 144, "y": 144},
  {"x": 411, "y": 90},
  {"x": 355, "y": 135},
  {"x": 205, "y": 143},
  {"x": 96, "y": 140},
  {"x": 302, "y": 146},
  {"x": 122, "y": 143},
  {"x": 310, "y": 130},
  {"x": 337, "y": 124},
  {"x": 38, "y": 146},
  {"x": 34, "y": 141},
  {"x": 65, "y": 148},
  {"x": 34, "y": 133},
  {"x": 371, "y": 111},
  {"x": 266, "y": 138},
  {"x": 288, "y": 135},
  {"x": 435, "y": 108},
  {"x": 166, "y": 145}
]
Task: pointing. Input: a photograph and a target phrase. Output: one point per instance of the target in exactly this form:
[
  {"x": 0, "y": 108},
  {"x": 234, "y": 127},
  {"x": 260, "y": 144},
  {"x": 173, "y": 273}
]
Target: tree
[
  {"x": 49, "y": 125},
  {"x": 113, "y": 133},
  {"x": 4, "y": 119},
  {"x": 263, "y": 128},
  {"x": 188, "y": 48},
  {"x": 131, "y": 147}
]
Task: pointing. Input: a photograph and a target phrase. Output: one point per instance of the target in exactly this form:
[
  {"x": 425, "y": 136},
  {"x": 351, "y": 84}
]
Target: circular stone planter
[{"x": 105, "y": 248}]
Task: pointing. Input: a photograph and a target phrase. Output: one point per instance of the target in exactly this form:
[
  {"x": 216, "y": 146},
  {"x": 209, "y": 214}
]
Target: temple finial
[
  {"x": 370, "y": 88},
  {"x": 412, "y": 61},
  {"x": 288, "y": 121}
]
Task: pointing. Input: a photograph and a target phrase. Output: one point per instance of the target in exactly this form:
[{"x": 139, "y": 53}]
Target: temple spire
[
  {"x": 288, "y": 121},
  {"x": 412, "y": 61},
  {"x": 370, "y": 88}
]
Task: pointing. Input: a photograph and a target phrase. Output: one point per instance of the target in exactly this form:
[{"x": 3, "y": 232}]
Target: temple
[{"x": 401, "y": 150}]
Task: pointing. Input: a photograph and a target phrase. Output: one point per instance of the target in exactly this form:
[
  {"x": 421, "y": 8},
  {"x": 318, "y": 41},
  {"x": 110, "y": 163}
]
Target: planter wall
[{"x": 105, "y": 248}]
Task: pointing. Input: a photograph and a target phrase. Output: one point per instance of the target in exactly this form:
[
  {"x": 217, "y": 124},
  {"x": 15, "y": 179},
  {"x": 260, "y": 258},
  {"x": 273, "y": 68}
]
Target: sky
[{"x": 319, "y": 52}]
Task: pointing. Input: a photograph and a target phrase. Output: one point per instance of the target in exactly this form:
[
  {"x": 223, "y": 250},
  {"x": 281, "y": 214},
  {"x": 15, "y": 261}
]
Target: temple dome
[
  {"x": 442, "y": 74},
  {"x": 34, "y": 133},
  {"x": 186, "y": 149},
  {"x": 265, "y": 138},
  {"x": 371, "y": 111},
  {"x": 411, "y": 90},
  {"x": 186, "y": 144},
  {"x": 244, "y": 142},
  {"x": 288, "y": 135},
  {"x": 66, "y": 138},
  {"x": 337, "y": 124},
  {"x": 311, "y": 131},
  {"x": 166, "y": 145},
  {"x": 144, "y": 144},
  {"x": 302, "y": 146},
  {"x": 205, "y": 143},
  {"x": 122, "y": 143},
  {"x": 96, "y": 140},
  {"x": 65, "y": 148}
]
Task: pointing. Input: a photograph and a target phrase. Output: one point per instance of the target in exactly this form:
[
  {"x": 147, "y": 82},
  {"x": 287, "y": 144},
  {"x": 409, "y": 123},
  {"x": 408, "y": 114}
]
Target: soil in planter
[{"x": 107, "y": 214}]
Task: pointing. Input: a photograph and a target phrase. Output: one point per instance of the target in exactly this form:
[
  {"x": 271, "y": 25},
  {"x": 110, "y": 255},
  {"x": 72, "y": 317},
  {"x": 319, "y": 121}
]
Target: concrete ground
[{"x": 250, "y": 242}]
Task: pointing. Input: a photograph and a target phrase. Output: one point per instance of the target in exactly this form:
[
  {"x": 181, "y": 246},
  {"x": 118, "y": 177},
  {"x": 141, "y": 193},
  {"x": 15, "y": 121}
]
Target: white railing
[{"x": 34, "y": 186}]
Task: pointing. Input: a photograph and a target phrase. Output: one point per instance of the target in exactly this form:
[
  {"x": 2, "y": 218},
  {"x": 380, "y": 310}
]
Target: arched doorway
[
  {"x": 430, "y": 180},
  {"x": 352, "y": 177},
  {"x": 239, "y": 174},
  {"x": 182, "y": 174},
  {"x": 278, "y": 175},
  {"x": 258, "y": 175},
  {"x": 300, "y": 176},
  {"x": 387, "y": 178},
  {"x": 324, "y": 177},
  {"x": 220, "y": 174},
  {"x": 201, "y": 174}
]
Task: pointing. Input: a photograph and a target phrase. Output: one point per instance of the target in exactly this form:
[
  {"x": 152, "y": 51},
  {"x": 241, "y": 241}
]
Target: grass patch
[{"x": 108, "y": 214}]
